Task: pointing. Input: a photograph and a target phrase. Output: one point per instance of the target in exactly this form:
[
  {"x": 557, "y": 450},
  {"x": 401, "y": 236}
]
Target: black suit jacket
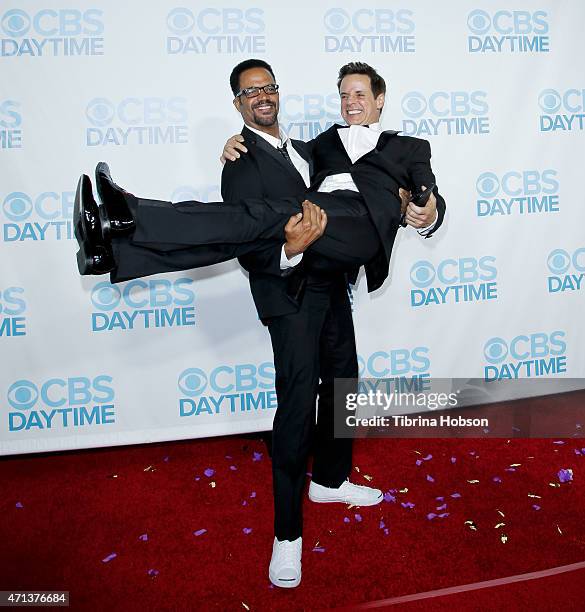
[
  {"x": 397, "y": 161},
  {"x": 264, "y": 173}
]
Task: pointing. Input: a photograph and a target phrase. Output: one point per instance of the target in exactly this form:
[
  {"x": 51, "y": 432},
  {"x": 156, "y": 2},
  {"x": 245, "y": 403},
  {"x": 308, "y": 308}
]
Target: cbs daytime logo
[
  {"x": 61, "y": 403},
  {"x": 227, "y": 389},
  {"x": 203, "y": 193},
  {"x": 369, "y": 30},
  {"x": 399, "y": 369},
  {"x": 216, "y": 30},
  {"x": 508, "y": 32},
  {"x": 51, "y": 32},
  {"x": 12, "y": 312},
  {"x": 137, "y": 121},
  {"x": 567, "y": 270},
  {"x": 10, "y": 125},
  {"x": 445, "y": 113},
  {"x": 451, "y": 281},
  {"x": 516, "y": 192},
  {"x": 46, "y": 216},
  {"x": 305, "y": 116},
  {"x": 562, "y": 110},
  {"x": 525, "y": 356},
  {"x": 143, "y": 304}
]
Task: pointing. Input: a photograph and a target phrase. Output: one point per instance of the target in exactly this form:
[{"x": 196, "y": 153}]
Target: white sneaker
[
  {"x": 347, "y": 493},
  {"x": 285, "y": 565}
]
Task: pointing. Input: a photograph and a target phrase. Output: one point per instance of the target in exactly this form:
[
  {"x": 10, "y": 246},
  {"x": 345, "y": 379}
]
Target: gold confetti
[
  {"x": 559, "y": 530},
  {"x": 316, "y": 544},
  {"x": 368, "y": 477},
  {"x": 405, "y": 490},
  {"x": 499, "y": 525},
  {"x": 471, "y": 525},
  {"x": 113, "y": 476},
  {"x": 417, "y": 452},
  {"x": 351, "y": 506},
  {"x": 515, "y": 464},
  {"x": 500, "y": 512},
  {"x": 356, "y": 468},
  {"x": 246, "y": 606},
  {"x": 554, "y": 484},
  {"x": 150, "y": 468},
  {"x": 504, "y": 538},
  {"x": 212, "y": 484},
  {"x": 473, "y": 481},
  {"x": 534, "y": 495}
]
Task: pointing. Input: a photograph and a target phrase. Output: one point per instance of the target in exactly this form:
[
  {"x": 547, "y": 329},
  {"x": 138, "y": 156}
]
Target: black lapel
[
  {"x": 301, "y": 149},
  {"x": 261, "y": 143}
]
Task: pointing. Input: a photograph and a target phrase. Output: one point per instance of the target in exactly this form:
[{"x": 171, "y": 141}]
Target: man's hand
[
  {"x": 422, "y": 216},
  {"x": 231, "y": 148},
  {"x": 405, "y": 196},
  {"x": 304, "y": 228}
]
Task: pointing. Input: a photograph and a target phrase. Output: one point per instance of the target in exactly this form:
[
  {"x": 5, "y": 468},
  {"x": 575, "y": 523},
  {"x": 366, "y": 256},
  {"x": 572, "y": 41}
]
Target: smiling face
[
  {"x": 260, "y": 112},
  {"x": 358, "y": 104}
]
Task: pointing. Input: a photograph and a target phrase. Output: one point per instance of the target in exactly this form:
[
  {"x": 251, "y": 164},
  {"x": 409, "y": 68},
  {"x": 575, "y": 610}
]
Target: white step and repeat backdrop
[{"x": 499, "y": 90}]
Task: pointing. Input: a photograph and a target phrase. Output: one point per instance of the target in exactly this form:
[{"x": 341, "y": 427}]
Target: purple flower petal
[
  {"x": 197, "y": 477},
  {"x": 244, "y": 503},
  {"x": 358, "y": 517},
  {"x": 200, "y": 532},
  {"x": 233, "y": 468},
  {"x": 257, "y": 456},
  {"x": 247, "y": 530},
  {"x": 386, "y": 531},
  {"x": 509, "y": 469},
  {"x": 431, "y": 516},
  {"x": 143, "y": 537},
  {"x": 209, "y": 472},
  {"x": 382, "y": 524},
  {"x": 455, "y": 494},
  {"x": 443, "y": 515},
  {"x": 453, "y": 459},
  {"x": 418, "y": 462},
  {"x": 109, "y": 558},
  {"x": 497, "y": 479},
  {"x": 166, "y": 459},
  {"x": 389, "y": 498},
  {"x": 253, "y": 494},
  {"x": 346, "y": 519},
  {"x": 565, "y": 475},
  {"x": 558, "y": 442},
  {"x": 19, "y": 505},
  {"x": 440, "y": 498},
  {"x": 319, "y": 549},
  {"x": 153, "y": 572},
  {"x": 442, "y": 507},
  {"x": 228, "y": 456},
  {"x": 427, "y": 458},
  {"x": 536, "y": 506},
  {"x": 430, "y": 478},
  {"x": 407, "y": 505}
]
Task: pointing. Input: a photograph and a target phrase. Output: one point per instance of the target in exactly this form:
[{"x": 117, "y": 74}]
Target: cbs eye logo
[
  {"x": 422, "y": 274},
  {"x": 414, "y": 104},
  {"x": 15, "y": 23},
  {"x": 336, "y": 20},
  {"x": 100, "y": 112},
  {"x": 22, "y": 395},
  {"x": 17, "y": 206},
  {"x": 105, "y": 296},
  {"x": 180, "y": 21},
  {"x": 192, "y": 382},
  {"x": 495, "y": 350},
  {"x": 550, "y": 100}
]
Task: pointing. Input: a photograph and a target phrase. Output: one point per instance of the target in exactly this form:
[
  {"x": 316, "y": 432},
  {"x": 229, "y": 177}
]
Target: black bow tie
[{"x": 346, "y": 126}]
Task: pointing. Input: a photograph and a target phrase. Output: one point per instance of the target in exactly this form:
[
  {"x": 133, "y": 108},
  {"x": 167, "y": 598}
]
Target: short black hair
[
  {"x": 242, "y": 67},
  {"x": 377, "y": 82}
]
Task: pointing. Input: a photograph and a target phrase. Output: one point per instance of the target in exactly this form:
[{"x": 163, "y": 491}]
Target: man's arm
[
  {"x": 243, "y": 180},
  {"x": 421, "y": 175}
]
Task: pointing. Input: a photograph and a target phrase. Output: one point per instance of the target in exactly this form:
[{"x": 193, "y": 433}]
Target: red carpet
[{"x": 186, "y": 538}]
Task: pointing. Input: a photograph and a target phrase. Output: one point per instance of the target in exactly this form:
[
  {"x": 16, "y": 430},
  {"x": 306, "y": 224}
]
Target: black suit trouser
[{"x": 315, "y": 343}]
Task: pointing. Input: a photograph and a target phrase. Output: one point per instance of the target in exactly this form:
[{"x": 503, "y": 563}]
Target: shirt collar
[{"x": 275, "y": 142}]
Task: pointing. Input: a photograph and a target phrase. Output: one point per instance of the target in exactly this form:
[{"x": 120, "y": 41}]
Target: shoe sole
[
  {"x": 319, "y": 500},
  {"x": 288, "y": 584}
]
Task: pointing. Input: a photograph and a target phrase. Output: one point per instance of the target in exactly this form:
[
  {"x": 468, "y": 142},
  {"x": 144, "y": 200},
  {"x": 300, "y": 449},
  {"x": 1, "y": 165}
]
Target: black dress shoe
[
  {"x": 95, "y": 252},
  {"x": 117, "y": 218}
]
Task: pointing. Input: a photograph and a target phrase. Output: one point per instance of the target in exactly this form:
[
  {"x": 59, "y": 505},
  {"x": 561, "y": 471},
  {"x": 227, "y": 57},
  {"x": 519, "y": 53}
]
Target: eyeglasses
[{"x": 253, "y": 92}]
